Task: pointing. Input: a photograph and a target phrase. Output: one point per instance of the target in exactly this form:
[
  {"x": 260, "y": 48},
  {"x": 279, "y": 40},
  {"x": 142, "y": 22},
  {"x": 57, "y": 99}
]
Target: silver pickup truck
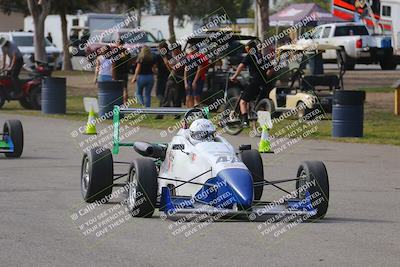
[{"x": 359, "y": 46}]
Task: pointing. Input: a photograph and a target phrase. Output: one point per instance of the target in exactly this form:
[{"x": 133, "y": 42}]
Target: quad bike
[{"x": 31, "y": 87}]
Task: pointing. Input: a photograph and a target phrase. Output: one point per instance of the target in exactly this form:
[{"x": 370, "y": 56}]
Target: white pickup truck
[{"x": 359, "y": 46}]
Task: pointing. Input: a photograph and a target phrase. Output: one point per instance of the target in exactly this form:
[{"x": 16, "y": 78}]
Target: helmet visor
[{"x": 203, "y": 135}]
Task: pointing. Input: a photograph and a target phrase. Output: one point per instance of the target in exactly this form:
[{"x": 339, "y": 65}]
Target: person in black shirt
[
  {"x": 175, "y": 89},
  {"x": 144, "y": 76},
  {"x": 162, "y": 70},
  {"x": 121, "y": 65},
  {"x": 258, "y": 77},
  {"x": 49, "y": 37}
]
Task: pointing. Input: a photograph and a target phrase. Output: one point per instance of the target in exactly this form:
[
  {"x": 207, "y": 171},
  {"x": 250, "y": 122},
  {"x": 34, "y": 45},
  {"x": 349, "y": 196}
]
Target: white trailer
[
  {"x": 390, "y": 14},
  {"x": 91, "y": 21}
]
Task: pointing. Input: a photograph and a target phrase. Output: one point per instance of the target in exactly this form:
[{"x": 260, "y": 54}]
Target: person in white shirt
[{"x": 104, "y": 65}]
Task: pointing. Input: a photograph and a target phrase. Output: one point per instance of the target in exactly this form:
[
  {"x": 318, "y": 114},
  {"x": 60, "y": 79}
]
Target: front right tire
[{"x": 314, "y": 180}]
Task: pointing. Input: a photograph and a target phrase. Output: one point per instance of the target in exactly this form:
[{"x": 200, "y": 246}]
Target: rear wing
[{"x": 117, "y": 111}]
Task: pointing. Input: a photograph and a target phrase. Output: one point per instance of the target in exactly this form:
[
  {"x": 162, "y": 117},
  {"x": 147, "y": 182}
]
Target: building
[{"x": 12, "y": 22}]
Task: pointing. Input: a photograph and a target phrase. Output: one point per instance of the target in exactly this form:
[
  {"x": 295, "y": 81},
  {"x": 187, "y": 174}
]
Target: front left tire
[
  {"x": 253, "y": 161},
  {"x": 97, "y": 174}
]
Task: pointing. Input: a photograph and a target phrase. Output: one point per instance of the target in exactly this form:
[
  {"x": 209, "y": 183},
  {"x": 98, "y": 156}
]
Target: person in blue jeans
[
  {"x": 103, "y": 70},
  {"x": 144, "y": 75}
]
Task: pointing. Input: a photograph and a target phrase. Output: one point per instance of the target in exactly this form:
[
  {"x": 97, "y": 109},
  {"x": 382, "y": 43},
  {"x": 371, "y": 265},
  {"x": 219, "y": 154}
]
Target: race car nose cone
[{"x": 241, "y": 185}]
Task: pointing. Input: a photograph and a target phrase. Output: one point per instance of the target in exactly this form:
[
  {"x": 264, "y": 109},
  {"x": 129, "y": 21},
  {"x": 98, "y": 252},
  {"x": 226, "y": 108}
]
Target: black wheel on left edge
[{"x": 13, "y": 128}]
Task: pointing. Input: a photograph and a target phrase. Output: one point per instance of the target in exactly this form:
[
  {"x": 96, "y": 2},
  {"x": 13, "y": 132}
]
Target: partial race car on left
[{"x": 12, "y": 139}]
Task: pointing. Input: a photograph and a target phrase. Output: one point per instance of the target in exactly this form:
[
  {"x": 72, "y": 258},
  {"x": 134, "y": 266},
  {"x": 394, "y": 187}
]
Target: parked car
[
  {"x": 24, "y": 41},
  {"x": 358, "y": 45}
]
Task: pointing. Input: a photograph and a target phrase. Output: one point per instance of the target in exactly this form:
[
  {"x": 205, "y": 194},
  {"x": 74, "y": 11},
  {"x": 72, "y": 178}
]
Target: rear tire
[
  {"x": 348, "y": 65},
  {"x": 253, "y": 161},
  {"x": 230, "y": 119},
  {"x": 2, "y": 97},
  {"x": 97, "y": 174},
  {"x": 35, "y": 97},
  {"x": 142, "y": 188},
  {"x": 25, "y": 103},
  {"x": 13, "y": 128},
  {"x": 388, "y": 64},
  {"x": 315, "y": 171}
]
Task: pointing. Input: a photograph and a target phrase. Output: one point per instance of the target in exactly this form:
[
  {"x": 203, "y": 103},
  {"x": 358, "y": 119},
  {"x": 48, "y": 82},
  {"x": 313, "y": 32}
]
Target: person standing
[
  {"x": 144, "y": 76},
  {"x": 122, "y": 60},
  {"x": 175, "y": 88},
  {"x": 195, "y": 76},
  {"x": 49, "y": 37},
  {"x": 162, "y": 70},
  {"x": 104, "y": 65},
  {"x": 16, "y": 62}
]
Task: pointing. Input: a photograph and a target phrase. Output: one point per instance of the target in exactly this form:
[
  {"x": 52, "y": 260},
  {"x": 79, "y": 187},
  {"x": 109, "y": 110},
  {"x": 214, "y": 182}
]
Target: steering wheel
[
  {"x": 187, "y": 117},
  {"x": 295, "y": 74}
]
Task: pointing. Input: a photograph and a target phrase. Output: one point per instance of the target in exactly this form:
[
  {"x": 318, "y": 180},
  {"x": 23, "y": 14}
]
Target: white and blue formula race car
[{"x": 199, "y": 171}]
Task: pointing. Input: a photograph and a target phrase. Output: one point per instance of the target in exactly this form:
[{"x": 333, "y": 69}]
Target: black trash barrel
[
  {"x": 348, "y": 113},
  {"x": 54, "y": 95},
  {"x": 110, "y": 94}
]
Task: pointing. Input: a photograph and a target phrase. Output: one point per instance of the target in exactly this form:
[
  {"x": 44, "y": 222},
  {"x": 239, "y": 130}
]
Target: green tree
[
  {"x": 62, "y": 8},
  {"x": 325, "y": 4},
  {"x": 39, "y": 10},
  {"x": 203, "y": 10}
]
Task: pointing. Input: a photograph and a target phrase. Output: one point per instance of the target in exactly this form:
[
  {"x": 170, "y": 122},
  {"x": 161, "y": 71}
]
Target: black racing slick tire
[
  {"x": 35, "y": 97},
  {"x": 314, "y": 179},
  {"x": 25, "y": 103},
  {"x": 142, "y": 188},
  {"x": 13, "y": 128},
  {"x": 253, "y": 161},
  {"x": 97, "y": 175}
]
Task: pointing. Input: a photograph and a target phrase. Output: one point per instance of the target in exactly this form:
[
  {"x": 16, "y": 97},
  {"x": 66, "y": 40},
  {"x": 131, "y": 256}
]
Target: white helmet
[{"x": 201, "y": 130}]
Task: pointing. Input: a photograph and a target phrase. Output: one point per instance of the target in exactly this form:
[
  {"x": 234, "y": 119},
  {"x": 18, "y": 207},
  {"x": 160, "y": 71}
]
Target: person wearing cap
[
  {"x": 10, "y": 50},
  {"x": 255, "y": 62}
]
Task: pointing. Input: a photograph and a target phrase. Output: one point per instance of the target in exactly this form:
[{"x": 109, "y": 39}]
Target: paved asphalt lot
[{"x": 40, "y": 192}]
